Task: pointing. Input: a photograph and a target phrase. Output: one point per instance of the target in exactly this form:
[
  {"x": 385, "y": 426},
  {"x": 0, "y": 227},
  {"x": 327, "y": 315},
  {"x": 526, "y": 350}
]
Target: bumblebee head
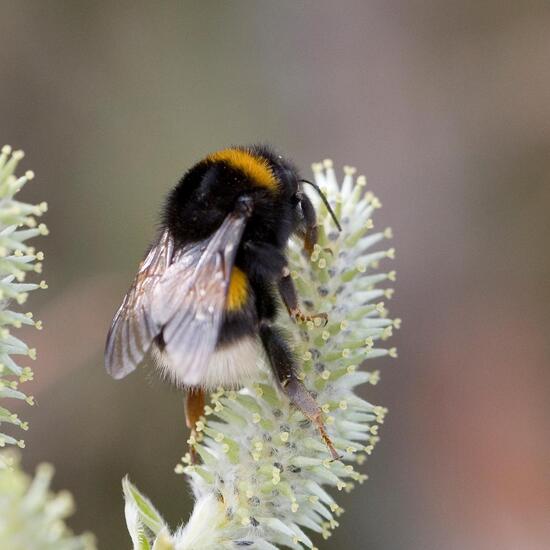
[
  {"x": 285, "y": 172},
  {"x": 291, "y": 188}
]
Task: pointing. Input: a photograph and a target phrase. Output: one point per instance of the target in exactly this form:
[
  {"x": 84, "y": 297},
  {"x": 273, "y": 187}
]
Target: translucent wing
[
  {"x": 190, "y": 298},
  {"x": 133, "y": 329}
]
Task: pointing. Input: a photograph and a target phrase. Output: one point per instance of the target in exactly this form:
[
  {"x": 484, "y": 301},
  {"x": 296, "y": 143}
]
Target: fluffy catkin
[{"x": 266, "y": 479}]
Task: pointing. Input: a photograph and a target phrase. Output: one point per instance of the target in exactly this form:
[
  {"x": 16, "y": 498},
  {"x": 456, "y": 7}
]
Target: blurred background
[{"x": 445, "y": 106}]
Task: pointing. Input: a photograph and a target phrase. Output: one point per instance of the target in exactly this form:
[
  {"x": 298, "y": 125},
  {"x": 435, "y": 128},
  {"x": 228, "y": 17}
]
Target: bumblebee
[{"x": 204, "y": 299}]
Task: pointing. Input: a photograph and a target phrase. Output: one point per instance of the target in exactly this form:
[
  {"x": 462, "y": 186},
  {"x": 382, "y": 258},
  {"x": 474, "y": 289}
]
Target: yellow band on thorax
[{"x": 255, "y": 168}]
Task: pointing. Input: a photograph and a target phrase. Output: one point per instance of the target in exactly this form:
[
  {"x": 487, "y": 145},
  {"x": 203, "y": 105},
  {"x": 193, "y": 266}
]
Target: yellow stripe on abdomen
[
  {"x": 255, "y": 168},
  {"x": 237, "y": 294}
]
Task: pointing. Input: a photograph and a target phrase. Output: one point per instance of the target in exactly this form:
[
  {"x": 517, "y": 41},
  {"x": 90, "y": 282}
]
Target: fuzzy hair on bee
[{"x": 205, "y": 298}]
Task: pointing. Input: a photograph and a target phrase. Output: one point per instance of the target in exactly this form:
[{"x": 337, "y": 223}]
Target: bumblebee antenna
[{"x": 325, "y": 201}]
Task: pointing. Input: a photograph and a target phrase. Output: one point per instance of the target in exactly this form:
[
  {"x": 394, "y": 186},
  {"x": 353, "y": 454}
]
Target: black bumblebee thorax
[{"x": 208, "y": 192}]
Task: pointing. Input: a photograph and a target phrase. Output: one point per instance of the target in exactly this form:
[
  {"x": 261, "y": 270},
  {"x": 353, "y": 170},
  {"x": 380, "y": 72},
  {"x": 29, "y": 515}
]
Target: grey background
[{"x": 443, "y": 105}]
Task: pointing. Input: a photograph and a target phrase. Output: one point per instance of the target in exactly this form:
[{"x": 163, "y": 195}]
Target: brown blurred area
[{"x": 444, "y": 105}]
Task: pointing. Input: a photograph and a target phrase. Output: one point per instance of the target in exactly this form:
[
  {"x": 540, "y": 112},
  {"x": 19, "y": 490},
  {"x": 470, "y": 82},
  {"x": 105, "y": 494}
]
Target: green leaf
[{"x": 147, "y": 512}]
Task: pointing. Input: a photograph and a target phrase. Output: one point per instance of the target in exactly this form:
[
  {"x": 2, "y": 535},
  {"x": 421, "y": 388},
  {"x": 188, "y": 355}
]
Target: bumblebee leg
[
  {"x": 194, "y": 409},
  {"x": 311, "y": 232},
  {"x": 287, "y": 290},
  {"x": 302, "y": 400},
  {"x": 284, "y": 368}
]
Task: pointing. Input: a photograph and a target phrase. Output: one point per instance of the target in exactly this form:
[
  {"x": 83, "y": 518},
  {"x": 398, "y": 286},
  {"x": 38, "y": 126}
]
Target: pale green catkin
[
  {"x": 265, "y": 476},
  {"x": 31, "y": 516},
  {"x": 17, "y": 225}
]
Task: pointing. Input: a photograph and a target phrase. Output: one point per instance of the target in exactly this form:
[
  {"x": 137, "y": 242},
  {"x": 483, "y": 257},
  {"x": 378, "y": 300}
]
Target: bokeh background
[{"x": 444, "y": 105}]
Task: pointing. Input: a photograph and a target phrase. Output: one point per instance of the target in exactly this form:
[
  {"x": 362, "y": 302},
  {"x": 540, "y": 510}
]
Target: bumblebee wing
[
  {"x": 189, "y": 300},
  {"x": 133, "y": 329}
]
